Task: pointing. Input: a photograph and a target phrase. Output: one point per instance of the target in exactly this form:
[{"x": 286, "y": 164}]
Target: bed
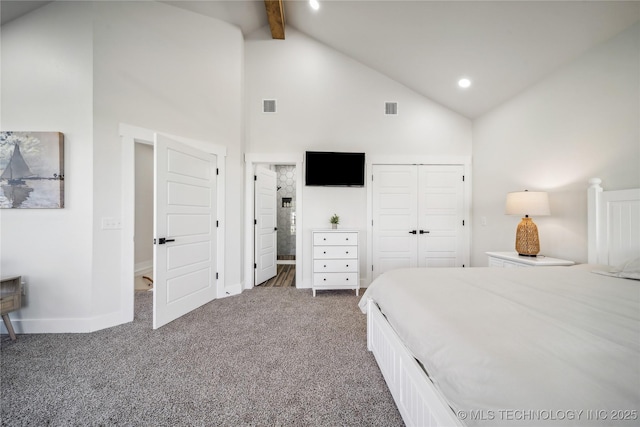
[{"x": 536, "y": 346}]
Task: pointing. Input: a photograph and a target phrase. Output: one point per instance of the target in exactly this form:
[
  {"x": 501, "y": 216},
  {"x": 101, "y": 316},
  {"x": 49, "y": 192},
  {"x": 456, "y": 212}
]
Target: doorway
[
  {"x": 275, "y": 225},
  {"x": 173, "y": 155},
  {"x": 292, "y": 210},
  {"x": 284, "y": 201},
  {"x": 143, "y": 234},
  {"x": 286, "y": 214}
]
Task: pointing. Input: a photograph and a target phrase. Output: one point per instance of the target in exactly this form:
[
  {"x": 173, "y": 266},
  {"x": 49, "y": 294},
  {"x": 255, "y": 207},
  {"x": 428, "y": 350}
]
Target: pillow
[{"x": 628, "y": 270}]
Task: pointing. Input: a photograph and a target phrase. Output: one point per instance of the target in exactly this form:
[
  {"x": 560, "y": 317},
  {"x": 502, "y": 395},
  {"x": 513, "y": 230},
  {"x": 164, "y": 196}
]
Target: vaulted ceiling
[{"x": 503, "y": 47}]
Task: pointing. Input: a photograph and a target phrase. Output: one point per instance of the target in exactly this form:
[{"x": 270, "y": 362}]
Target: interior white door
[
  {"x": 394, "y": 217},
  {"x": 184, "y": 255},
  {"x": 417, "y": 216},
  {"x": 440, "y": 215},
  {"x": 265, "y": 224}
]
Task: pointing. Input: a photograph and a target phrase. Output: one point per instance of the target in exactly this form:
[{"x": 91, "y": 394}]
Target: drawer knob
[
  {"x": 324, "y": 279},
  {"x": 347, "y": 238},
  {"x": 347, "y": 252},
  {"x": 347, "y": 265},
  {"x": 347, "y": 279},
  {"x": 325, "y": 266},
  {"x": 324, "y": 238},
  {"x": 324, "y": 252}
]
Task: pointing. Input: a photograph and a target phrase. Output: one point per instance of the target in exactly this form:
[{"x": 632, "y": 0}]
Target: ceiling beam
[{"x": 275, "y": 14}]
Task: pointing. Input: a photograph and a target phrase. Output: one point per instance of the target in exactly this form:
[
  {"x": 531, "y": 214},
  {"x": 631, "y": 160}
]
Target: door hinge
[
  {"x": 255, "y": 222},
  {"x": 462, "y": 178},
  {"x": 371, "y": 177},
  {"x": 463, "y": 222},
  {"x": 462, "y": 265},
  {"x": 372, "y": 268},
  {"x": 216, "y": 275},
  {"x": 217, "y": 171},
  {"x": 255, "y": 265},
  {"x": 255, "y": 177},
  {"x": 217, "y": 224}
]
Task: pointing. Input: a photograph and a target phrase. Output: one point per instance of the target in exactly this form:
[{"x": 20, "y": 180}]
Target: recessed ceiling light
[
  {"x": 464, "y": 83},
  {"x": 314, "y": 4}
]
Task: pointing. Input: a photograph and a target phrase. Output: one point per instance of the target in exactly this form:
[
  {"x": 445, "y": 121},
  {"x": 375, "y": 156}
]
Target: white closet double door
[{"x": 418, "y": 216}]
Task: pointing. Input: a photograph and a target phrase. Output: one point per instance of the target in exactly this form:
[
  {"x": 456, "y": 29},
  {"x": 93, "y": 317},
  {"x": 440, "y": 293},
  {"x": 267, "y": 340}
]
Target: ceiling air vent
[
  {"x": 391, "y": 108},
  {"x": 268, "y": 105}
]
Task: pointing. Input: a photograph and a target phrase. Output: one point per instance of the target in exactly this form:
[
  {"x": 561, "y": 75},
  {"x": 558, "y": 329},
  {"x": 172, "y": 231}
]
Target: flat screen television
[{"x": 331, "y": 169}]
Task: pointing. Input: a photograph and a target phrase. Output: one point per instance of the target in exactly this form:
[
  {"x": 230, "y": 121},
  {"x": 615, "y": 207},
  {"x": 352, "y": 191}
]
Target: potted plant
[{"x": 334, "y": 220}]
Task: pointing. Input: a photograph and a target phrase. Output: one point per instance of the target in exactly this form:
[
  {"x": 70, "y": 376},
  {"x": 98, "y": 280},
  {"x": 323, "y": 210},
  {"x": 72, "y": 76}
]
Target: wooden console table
[{"x": 10, "y": 300}]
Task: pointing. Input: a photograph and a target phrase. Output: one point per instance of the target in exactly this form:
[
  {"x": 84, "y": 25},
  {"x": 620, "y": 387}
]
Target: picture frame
[{"x": 31, "y": 170}]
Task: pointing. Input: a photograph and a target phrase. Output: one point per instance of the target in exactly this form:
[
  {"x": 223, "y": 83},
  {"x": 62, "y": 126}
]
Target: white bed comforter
[{"x": 499, "y": 342}]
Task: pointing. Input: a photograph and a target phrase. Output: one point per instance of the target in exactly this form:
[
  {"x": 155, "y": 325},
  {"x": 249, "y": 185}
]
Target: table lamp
[{"x": 527, "y": 203}]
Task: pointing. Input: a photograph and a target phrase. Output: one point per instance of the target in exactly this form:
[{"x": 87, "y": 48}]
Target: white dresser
[
  {"x": 512, "y": 259},
  {"x": 335, "y": 260}
]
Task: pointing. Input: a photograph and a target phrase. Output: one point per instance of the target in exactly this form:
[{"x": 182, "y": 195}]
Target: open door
[
  {"x": 265, "y": 224},
  {"x": 184, "y": 254}
]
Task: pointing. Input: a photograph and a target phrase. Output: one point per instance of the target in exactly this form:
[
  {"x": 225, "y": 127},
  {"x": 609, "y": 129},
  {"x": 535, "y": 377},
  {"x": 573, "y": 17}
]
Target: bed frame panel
[
  {"x": 613, "y": 237},
  {"x": 419, "y": 403}
]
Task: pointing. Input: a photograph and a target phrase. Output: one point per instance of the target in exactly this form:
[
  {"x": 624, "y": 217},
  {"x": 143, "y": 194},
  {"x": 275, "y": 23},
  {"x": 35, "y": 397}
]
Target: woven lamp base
[{"x": 527, "y": 242}]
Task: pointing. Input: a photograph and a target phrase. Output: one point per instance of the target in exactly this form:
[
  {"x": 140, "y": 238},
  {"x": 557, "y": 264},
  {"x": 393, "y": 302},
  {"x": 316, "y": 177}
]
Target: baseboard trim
[
  {"x": 145, "y": 267},
  {"x": 49, "y": 326},
  {"x": 66, "y": 326}
]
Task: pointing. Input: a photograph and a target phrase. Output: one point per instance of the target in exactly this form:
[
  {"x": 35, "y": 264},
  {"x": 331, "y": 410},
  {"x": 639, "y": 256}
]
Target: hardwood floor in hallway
[{"x": 285, "y": 277}]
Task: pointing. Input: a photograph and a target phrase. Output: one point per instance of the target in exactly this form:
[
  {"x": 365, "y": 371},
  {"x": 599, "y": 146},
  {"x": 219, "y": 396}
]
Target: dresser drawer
[
  {"x": 335, "y": 266},
  {"x": 341, "y": 252},
  {"x": 335, "y": 279},
  {"x": 335, "y": 238}
]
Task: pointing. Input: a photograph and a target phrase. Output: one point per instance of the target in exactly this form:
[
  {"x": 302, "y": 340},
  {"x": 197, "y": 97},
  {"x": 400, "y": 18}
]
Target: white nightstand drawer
[
  {"x": 335, "y": 266},
  {"x": 335, "y": 238},
  {"x": 342, "y": 252},
  {"x": 335, "y": 279},
  {"x": 495, "y": 262},
  {"x": 508, "y": 264}
]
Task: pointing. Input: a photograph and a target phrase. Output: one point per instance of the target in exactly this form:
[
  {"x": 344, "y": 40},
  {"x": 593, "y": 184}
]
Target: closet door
[
  {"x": 440, "y": 215},
  {"x": 417, "y": 216},
  {"x": 394, "y": 217}
]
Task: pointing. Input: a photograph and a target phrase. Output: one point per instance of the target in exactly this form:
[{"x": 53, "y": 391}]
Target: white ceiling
[{"x": 502, "y": 46}]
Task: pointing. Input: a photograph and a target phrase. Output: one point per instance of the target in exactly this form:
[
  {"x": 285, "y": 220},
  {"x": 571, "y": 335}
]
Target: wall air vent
[
  {"x": 268, "y": 105},
  {"x": 391, "y": 108}
]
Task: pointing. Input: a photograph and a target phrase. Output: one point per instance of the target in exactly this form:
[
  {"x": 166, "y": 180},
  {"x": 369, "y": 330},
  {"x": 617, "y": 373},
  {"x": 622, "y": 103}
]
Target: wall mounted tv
[{"x": 331, "y": 169}]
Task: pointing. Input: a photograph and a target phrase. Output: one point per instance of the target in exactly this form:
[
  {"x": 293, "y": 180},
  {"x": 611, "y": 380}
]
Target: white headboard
[{"x": 613, "y": 224}]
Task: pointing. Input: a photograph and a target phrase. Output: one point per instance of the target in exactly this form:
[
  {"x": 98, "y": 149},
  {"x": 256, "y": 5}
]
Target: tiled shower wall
[{"x": 286, "y": 210}]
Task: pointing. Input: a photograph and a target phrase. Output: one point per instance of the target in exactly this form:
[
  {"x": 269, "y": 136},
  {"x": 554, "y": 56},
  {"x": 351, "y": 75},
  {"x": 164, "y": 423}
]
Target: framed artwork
[{"x": 31, "y": 170}]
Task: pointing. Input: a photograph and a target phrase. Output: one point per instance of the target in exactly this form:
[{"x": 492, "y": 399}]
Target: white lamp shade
[{"x": 531, "y": 203}]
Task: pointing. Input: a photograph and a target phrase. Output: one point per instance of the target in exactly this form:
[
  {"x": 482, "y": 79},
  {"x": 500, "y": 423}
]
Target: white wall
[
  {"x": 47, "y": 86},
  {"x": 166, "y": 69},
  {"x": 582, "y": 121},
  {"x": 329, "y": 102},
  {"x": 82, "y": 68}
]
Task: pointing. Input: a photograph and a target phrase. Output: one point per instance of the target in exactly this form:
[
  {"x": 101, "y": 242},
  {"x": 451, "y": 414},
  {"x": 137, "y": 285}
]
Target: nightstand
[{"x": 512, "y": 259}]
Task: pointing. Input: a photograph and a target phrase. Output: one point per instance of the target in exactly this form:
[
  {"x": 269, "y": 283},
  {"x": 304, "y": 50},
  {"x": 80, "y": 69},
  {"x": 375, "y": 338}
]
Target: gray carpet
[{"x": 270, "y": 356}]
